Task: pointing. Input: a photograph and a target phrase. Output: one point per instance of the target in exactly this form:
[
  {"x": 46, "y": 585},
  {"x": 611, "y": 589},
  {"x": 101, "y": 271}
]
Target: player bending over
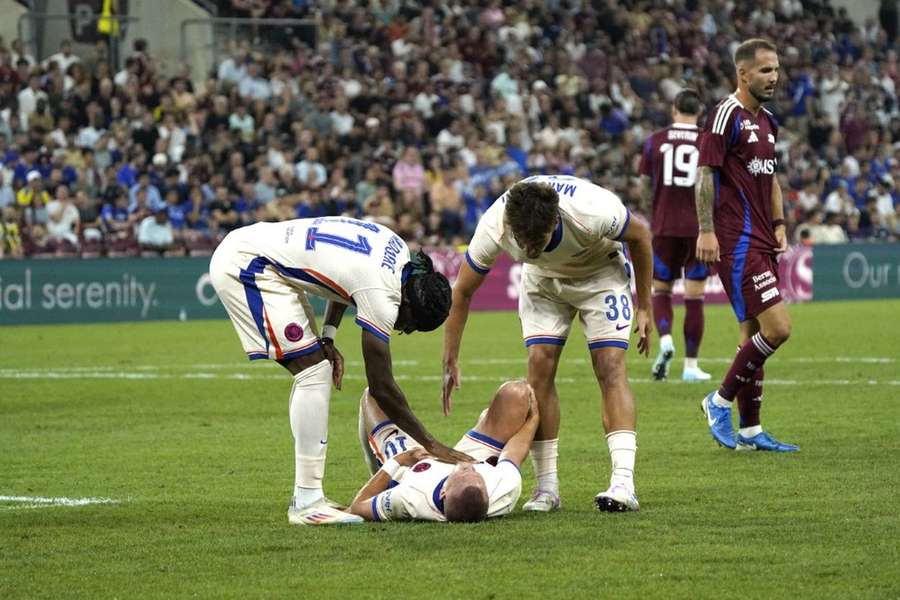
[
  {"x": 408, "y": 484},
  {"x": 669, "y": 162},
  {"x": 737, "y": 178},
  {"x": 570, "y": 234},
  {"x": 263, "y": 273}
]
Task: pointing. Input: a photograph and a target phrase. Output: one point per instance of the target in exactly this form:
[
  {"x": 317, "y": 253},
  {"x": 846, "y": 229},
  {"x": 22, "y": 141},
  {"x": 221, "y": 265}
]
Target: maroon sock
[
  {"x": 662, "y": 312},
  {"x": 693, "y": 326},
  {"x": 749, "y": 400},
  {"x": 750, "y": 357}
]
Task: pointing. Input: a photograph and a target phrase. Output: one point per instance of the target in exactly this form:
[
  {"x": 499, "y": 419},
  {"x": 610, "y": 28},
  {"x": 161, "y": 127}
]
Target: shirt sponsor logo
[
  {"x": 761, "y": 166},
  {"x": 763, "y": 280},
  {"x": 768, "y": 294}
]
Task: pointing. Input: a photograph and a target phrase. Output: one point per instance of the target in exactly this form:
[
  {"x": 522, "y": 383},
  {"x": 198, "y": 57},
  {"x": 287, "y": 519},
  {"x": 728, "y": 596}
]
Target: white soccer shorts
[
  {"x": 387, "y": 441},
  {"x": 272, "y": 317},
  {"x": 603, "y": 303}
]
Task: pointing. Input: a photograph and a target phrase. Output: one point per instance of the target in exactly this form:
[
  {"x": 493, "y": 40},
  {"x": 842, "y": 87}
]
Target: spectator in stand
[
  {"x": 64, "y": 58},
  {"x": 409, "y": 181},
  {"x": 63, "y": 217},
  {"x": 33, "y": 190},
  {"x": 10, "y": 234},
  {"x": 310, "y": 172},
  {"x": 153, "y": 201},
  {"x": 155, "y": 232}
]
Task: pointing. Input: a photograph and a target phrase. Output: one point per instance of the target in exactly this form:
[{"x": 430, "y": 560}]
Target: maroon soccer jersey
[
  {"x": 670, "y": 160},
  {"x": 741, "y": 146}
]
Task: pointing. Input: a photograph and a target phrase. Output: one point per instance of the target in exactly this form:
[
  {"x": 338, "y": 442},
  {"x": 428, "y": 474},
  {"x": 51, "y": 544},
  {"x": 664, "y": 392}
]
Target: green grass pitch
[{"x": 193, "y": 443}]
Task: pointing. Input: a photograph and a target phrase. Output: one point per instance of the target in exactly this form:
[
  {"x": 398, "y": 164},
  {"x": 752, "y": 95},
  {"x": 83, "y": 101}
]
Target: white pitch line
[
  {"x": 29, "y": 502},
  {"x": 39, "y": 374}
]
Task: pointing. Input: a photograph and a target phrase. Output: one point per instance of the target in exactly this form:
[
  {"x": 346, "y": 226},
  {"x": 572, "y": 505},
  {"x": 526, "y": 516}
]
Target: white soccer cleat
[
  {"x": 695, "y": 374},
  {"x": 321, "y": 512},
  {"x": 618, "y": 498},
  {"x": 660, "y": 369},
  {"x": 542, "y": 501}
]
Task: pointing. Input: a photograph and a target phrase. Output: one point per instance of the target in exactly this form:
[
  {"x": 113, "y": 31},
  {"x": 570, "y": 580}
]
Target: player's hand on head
[
  {"x": 643, "y": 327},
  {"x": 448, "y": 455},
  {"x": 452, "y": 381},
  {"x": 411, "y": 457},
  {"x": 336, "y": 359}
]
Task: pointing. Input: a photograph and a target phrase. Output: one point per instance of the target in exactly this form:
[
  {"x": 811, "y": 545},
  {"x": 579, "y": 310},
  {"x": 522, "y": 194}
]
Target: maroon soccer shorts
[
  {"x": 751, "y": 282},
  {"x": 671, "y": 253}
]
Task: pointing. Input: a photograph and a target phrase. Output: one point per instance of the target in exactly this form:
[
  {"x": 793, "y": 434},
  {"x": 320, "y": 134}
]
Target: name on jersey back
[{"x": 681, "y": 134}]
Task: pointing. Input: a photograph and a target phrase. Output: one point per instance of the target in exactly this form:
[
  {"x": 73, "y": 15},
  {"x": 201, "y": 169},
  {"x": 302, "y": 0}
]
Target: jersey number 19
[{"x": 679, "y": 164}]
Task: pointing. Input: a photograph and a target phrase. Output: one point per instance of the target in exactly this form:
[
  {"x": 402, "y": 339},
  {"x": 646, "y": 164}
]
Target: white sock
[
  {"x": 720, "y": 401},
  {"x": 690, "y": 363},
  {"x": 749, "y": 432},
  {"x": 543, "y": 458},
  {"x": 622, "y": 450},
  {"x": 666, "y": 340},
  {"x": 309, "y": 424}
]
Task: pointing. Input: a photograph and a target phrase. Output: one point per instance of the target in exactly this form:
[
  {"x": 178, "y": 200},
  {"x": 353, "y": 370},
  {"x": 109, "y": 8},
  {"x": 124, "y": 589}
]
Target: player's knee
[
  {"x": 609, "y": 368},
  {"x": 778, "y": 333},
  {"x": 513, "y": 398},
  {"x": 541, "y": 364}
]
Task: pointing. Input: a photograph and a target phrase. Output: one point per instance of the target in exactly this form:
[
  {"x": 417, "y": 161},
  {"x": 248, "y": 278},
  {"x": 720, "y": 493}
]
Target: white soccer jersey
[
  {"x": 340, "y": 259},
  {"x": 592, "y": 221},
  {"x": 418, "y": 493}
]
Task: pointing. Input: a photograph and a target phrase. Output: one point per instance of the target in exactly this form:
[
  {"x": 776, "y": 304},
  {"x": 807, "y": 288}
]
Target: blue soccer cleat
[
  {"x": 719, "y": 420},
  {"x": 765, "y": 442}
]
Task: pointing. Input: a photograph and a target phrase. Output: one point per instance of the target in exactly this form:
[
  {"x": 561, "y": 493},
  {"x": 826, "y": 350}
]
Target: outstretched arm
[
  {"x": 383, "y": 387},
  {"x": 637, "y": 236},
  {"x": 704, "y": 196},
  {"x": 467, "y": 282}
]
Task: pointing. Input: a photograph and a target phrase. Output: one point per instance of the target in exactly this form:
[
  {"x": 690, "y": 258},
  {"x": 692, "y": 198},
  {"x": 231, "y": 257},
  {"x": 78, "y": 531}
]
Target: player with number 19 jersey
[
  {"x": 670, "y": 159},
  {"x": 258, "y": 271}
]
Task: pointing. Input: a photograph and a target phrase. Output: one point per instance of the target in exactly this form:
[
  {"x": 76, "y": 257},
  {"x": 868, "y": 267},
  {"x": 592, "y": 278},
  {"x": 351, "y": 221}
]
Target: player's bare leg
[
  {"x": 662, "y": 313},
  {"x": 507, "y": 411},
  {"x": 543, "y": 360},
  {"x": 760, "y": 338},
  {"x": 619, "y": 421}
]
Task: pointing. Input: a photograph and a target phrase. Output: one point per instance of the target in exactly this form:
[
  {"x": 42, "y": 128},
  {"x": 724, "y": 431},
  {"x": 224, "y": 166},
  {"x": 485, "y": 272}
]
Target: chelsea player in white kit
[
  {"x": 263, "y": 273},
  {"x": 407, "y": 484},
  {"x": 571, "y": 235}
]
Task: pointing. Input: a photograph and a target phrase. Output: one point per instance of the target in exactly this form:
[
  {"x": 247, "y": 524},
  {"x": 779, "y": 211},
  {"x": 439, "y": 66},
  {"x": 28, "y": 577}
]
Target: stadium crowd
[{"x": 419, "y": 114}]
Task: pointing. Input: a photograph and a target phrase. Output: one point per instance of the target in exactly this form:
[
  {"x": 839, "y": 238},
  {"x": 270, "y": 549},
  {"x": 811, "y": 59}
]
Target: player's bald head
[{"x": 465, "y": 496}]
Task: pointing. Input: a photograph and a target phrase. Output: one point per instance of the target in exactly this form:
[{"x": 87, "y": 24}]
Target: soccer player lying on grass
[
  {"x": 263, "y": 273},
  {"x": 411, "y": 485}
]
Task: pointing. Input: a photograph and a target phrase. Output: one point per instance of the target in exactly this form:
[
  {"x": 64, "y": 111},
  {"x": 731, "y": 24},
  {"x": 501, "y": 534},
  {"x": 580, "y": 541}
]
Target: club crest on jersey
[
  {"x": 771, "y": 139},
  {"x": 761, "y": 166},
  {"x": 748, "y": 125},
  {"x": 293, "y": 332},
  {"x": 752, "y": 139},
  {"x": 422, "y": 466}
]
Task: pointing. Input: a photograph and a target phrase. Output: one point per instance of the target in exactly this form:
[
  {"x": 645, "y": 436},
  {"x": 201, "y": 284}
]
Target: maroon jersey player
[
  {"x": 669, "y": 162},
  {"x": 741, "y": 218}
]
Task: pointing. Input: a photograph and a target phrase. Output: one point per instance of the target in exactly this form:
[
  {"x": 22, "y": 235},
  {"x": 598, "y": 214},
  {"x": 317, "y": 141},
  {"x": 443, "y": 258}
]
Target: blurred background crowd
[{"x": 419, "y": 114}]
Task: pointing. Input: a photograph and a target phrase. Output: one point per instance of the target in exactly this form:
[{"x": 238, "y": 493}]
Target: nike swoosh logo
[
  {"x": 621, "y": 327},
  {"x": 709, "y": 418}
]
